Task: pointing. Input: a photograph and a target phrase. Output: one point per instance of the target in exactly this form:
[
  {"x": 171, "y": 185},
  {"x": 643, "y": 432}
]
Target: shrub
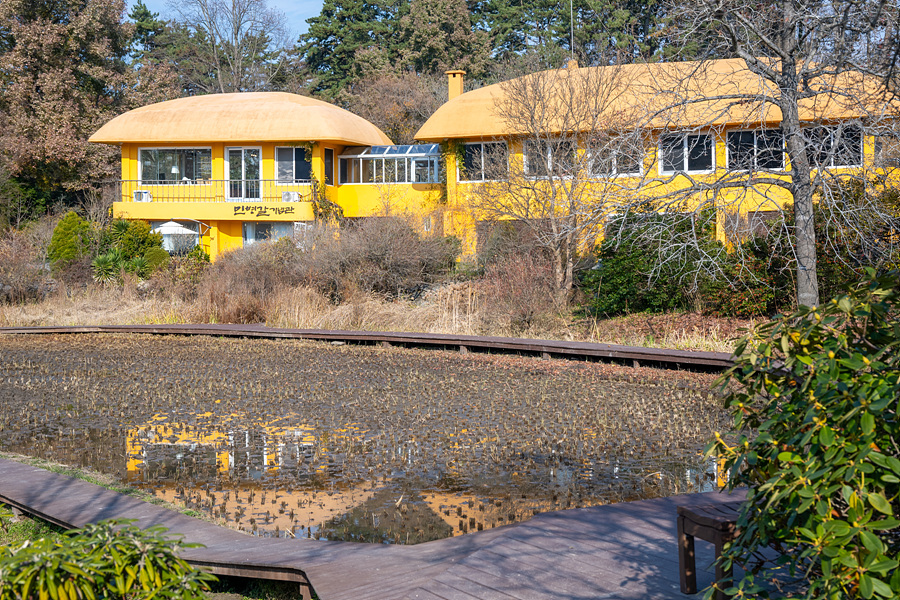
[
  {"x": 621, "y": 282},
  {"x": 157, "y": 258},
  {"x": 814, "y": 397},
  {"x": 136, "y": 239},
  {"x": 71, "y": 240},
  {"x": 179, "y": 276},
  {"x": 381, "y": 255},
  {"x": 515, "y": 291},
  {"x": 758, "y": 280},
  {"x": 22, "y": 274},
  {"x": 101, "y": 561}
]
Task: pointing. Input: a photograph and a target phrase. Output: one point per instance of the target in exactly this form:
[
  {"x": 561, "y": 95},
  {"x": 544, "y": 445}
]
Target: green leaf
[
  {"x": 867, "y": 422},
  {"x": 866, "y": 589},
  {"x": 880, "y": 504},
  {"x": 882, "y": 589}
]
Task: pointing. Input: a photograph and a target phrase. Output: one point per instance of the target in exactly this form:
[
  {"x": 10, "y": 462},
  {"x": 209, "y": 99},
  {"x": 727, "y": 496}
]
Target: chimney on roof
[
  {"x": 454, "y": 83},
  {"x": 571, "y": 63}
]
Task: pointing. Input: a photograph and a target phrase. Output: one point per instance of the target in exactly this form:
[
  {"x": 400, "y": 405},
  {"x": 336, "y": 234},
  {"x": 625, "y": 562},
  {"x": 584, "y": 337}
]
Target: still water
[{"x": 300, "y": 439}]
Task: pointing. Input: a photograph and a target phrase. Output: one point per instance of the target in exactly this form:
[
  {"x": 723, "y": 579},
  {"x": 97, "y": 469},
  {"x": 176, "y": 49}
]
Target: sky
[{"x": 296, "y": 11}]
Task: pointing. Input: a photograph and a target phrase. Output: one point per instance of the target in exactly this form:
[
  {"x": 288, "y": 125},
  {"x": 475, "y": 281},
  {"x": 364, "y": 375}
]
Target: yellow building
[
  {"x": 667, "y": 136},
  {"x": 227, "y": 170}
]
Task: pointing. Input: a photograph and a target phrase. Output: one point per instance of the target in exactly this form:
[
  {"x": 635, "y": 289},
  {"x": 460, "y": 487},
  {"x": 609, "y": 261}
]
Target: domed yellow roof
[
  {"x": 652, "y": 95},
  {"x": 241, "y": 117}
]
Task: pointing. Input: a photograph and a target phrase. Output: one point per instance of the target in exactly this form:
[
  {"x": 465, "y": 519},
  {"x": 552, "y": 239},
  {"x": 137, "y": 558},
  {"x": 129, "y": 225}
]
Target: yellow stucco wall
[
  {"x": 462, "y": 216},
  {"x": 222, "y": 218}
]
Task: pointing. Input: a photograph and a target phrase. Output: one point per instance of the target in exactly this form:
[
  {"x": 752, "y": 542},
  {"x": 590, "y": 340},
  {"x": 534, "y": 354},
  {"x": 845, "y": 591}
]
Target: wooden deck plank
[{"x": 624, "y": 551}]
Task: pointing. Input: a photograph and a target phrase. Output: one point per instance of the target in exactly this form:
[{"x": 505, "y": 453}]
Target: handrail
[{"x": 210, "y": 190}]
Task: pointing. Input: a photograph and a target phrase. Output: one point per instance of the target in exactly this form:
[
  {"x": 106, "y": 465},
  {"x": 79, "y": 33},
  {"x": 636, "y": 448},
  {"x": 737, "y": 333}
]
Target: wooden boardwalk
[
  {"x": 633, "y": 355},
  {"x": 622, "y": 551}
]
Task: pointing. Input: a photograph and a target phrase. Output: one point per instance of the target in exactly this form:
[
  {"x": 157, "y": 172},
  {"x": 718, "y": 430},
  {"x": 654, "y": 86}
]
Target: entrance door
[{"x": 243, "y": 173}]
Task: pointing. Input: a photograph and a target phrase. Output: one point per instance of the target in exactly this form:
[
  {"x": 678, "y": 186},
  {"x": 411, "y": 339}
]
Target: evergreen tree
[
  {"x": 148, "y": 28},
  {"x": 438, "y": 36},
  {"x": 345, "y": 32}
]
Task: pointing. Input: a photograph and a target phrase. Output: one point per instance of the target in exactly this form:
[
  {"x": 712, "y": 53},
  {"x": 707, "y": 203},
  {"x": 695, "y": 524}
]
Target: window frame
[
  {"x": 549, "y": 149},
  {"x": 832, "y": 151},
  {"x": 592, "y": 156},
  {"x": 756, "y": 151},
  {"x": 460, "y": 170},
  {"x": 685, "y": 154},
  {"x": 295, "y": 179},
  {"x": 372, "y": 159},
  {"x": 194, "y": 181}
]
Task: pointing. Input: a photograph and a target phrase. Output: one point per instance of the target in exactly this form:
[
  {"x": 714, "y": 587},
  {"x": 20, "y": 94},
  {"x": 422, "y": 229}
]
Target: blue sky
[{"x": 296, "y": 11}]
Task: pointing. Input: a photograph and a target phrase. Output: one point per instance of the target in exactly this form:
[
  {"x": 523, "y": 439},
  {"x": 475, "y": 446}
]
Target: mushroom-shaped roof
[
  {"x": 654, "y": 95},
  {"x": 241, "y": 117}
]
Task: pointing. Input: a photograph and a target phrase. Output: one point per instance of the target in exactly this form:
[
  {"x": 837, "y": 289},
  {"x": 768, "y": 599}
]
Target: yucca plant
[{"x": 107, "y": 267}]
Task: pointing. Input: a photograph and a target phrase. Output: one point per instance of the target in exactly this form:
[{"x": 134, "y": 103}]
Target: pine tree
[
  {"x": 343, "y": 33},
  {"x": 438, "y": 36}
]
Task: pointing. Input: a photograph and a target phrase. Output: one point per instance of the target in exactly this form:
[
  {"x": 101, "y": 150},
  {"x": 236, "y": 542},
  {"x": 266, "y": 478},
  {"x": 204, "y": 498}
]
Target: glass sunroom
[{"x": 416, "y": 163}]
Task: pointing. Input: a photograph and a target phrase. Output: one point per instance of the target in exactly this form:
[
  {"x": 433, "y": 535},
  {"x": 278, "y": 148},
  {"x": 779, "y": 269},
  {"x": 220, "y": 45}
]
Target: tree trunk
[{"x": 801, "y": 183}]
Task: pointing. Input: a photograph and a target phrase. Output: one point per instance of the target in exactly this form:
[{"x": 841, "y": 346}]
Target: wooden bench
[{"x": 714, "y": 523}]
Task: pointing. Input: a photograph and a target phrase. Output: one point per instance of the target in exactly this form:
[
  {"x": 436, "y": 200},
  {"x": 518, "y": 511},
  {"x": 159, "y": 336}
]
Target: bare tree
[
  {"x": 570, "y": 132},
  {"x": 239, "y": 44},
  {"x": 805, "y": 87}
]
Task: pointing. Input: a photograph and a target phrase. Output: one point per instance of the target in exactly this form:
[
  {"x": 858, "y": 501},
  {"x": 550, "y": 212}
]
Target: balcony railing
[{"x": 211, "y": 190}]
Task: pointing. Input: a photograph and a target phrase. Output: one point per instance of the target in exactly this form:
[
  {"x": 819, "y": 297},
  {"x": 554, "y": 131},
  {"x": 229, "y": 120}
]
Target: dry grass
[{"x": 456, "y": 308}]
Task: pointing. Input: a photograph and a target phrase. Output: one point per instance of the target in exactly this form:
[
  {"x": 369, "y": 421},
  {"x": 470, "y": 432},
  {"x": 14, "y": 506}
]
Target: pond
[{"x": 291, "y": 438}]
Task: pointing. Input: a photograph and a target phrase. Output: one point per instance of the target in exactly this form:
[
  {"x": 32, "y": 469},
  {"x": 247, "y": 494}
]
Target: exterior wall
[
  {"x": 222, "y": 218},
  {"x": 461, "y": 219}
]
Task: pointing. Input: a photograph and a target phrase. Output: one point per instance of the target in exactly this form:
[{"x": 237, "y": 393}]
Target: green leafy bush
[
  {"x": 136, "y": 239},
  {"x": 628, "y": 276},
  {"x": 759, "y": 279},
  {"x": 621, "y": 283},
  {"x": 101, "y": 561},
  {"x": 815, "y": 397},
  {"x": 71, "y": 239},
  {"x": 157, "y": 258},
  {"x": 756, "y": 280}
]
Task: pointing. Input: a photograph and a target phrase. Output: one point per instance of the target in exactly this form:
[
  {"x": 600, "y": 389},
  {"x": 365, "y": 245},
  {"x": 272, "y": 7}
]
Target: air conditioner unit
[
  {"x": 290, "y": 196},
  {"x": 142, "y": 196}
]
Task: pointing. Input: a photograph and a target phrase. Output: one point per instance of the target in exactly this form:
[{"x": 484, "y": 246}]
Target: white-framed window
[
  {"x": 550, "y": 157},
  {"x": 761, "y": 149},
  {"x": 686, "y": 153},
  {"x": 292, "y": 165},
  {"x": 416, "y": 163},
  {"x": 887, "y": 150},
  {"x": 484, "y": 161},
  {"x": 616, "y": 162},
  {"x": 174, "y": 165},
  {"x": 834, "y": 145}
]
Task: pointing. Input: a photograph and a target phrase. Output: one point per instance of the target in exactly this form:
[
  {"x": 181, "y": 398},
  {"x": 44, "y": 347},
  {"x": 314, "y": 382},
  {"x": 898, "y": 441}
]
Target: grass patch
[{"x": 14, "y": 531}]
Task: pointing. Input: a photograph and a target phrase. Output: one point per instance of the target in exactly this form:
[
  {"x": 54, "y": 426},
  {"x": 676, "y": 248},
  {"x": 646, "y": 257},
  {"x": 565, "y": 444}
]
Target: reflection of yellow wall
[{"x": 159, "y": 432}]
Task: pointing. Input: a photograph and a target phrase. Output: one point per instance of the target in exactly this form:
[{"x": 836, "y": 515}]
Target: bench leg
[
  {"x": 723, "y": 576},
  {"x": 686, "y": 560}
]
